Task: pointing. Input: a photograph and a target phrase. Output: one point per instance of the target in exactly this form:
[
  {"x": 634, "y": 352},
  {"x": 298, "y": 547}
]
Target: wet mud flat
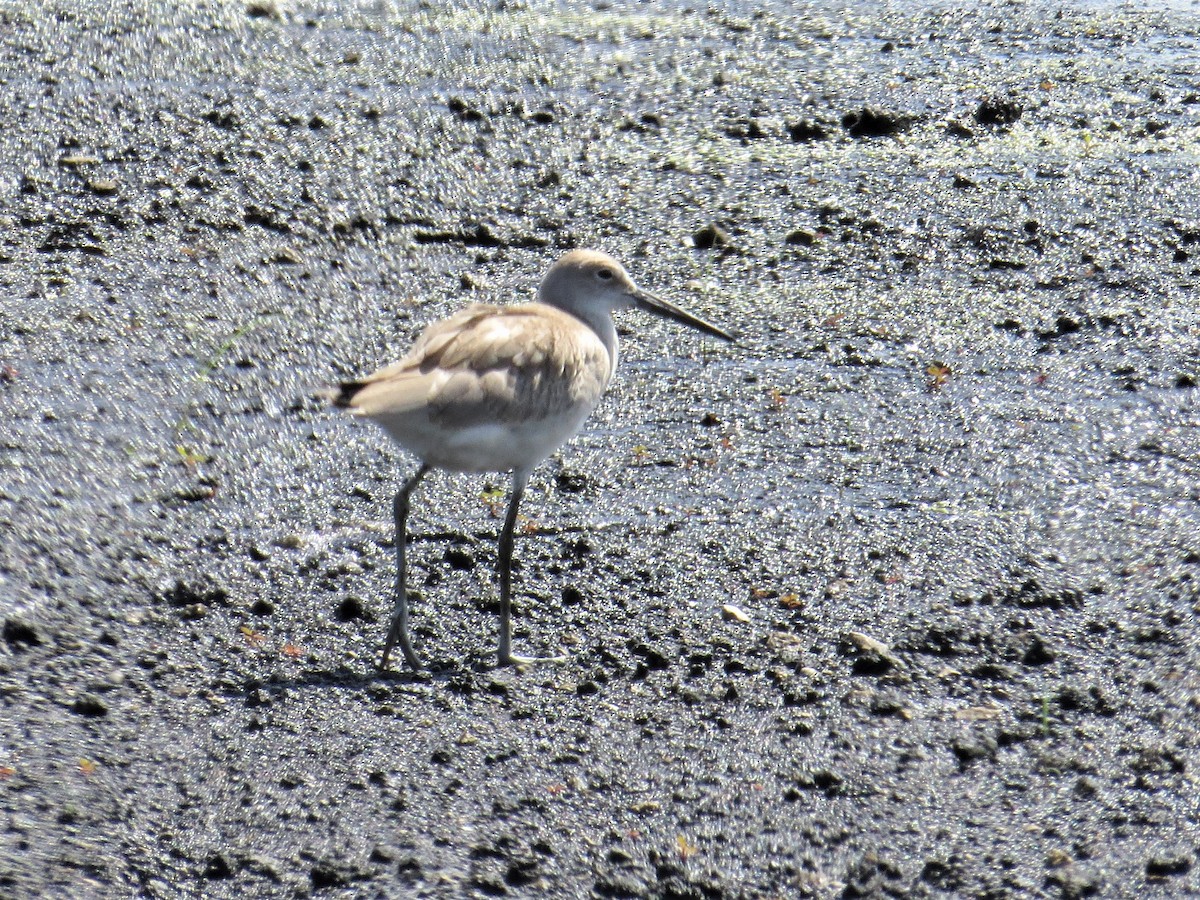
[{"x": 896, "y": 598}]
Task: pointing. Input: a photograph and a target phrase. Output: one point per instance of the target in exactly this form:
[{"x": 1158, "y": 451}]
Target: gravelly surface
[{"x": 950, "y": 475}]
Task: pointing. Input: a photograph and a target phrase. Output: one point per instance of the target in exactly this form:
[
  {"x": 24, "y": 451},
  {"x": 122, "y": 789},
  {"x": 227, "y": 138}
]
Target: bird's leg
[
  {"x": 519, "y": 480},
  {"x": 399, "y": 630}
]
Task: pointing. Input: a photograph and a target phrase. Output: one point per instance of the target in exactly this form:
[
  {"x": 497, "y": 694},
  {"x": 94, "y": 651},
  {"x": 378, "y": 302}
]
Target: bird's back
[{"x": 490, "y": 388}]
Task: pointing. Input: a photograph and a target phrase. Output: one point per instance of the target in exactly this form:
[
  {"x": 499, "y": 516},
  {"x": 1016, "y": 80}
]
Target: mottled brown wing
[
  {"x": 354, "y": 394},
  {"x": 490, "y": 364}
]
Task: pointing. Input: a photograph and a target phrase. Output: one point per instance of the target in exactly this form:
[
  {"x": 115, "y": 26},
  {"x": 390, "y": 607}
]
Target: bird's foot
[{"x": 409, "y": 656}]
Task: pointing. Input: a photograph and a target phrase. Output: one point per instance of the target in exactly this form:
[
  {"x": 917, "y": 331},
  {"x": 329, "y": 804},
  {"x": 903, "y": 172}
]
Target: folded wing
[{"x": 488, "y": 365}]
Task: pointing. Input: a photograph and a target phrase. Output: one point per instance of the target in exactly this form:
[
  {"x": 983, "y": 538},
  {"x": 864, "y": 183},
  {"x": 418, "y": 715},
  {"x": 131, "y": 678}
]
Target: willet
[{"x": 498, "y": 389}]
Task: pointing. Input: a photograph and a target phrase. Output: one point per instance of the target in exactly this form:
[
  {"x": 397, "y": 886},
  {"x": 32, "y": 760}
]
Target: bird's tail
[{"x": 342, "y": 394}]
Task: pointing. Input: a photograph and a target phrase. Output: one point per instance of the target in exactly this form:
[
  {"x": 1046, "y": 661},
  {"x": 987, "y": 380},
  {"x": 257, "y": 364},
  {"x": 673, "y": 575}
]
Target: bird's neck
[
  {"x": 601, "y": 322},
  {"x": 606, "y": 330}
]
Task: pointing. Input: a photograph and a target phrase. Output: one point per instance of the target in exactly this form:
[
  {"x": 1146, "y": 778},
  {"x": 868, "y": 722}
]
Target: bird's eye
[{"x": 605, "y": 274}]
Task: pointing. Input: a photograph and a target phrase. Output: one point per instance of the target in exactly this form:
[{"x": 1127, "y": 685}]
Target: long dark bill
[{"x": 660, "y": 307}]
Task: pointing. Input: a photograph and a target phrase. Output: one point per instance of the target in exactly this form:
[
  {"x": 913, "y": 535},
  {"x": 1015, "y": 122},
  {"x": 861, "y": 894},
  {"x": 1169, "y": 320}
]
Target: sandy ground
[{"x": 949, "y": 475}]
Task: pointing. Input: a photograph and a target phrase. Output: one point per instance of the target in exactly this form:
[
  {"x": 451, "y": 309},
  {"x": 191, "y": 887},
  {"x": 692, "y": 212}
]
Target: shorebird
[{"x": 498, "y": 389}]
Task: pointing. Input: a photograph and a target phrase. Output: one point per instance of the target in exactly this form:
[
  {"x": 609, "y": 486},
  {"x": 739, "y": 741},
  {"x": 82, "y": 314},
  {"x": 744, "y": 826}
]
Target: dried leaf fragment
[{"x": 686, "y": 848}]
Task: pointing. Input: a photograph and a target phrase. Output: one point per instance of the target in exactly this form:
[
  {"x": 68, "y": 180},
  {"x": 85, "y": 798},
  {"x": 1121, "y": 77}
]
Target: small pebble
[
  {"x": 711, "y": 236},
  {"x": 731, "y": 613}
]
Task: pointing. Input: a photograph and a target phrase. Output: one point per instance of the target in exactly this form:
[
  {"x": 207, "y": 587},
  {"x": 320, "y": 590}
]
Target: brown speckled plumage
[{"x": 489, "y": 364}]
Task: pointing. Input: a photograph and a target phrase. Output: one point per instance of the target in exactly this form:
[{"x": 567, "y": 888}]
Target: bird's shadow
[{"x": 445, "y": 672}]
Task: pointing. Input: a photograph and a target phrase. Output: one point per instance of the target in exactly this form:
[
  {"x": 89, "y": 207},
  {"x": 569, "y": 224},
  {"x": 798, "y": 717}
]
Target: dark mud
[{"x": 949, "y": 478}]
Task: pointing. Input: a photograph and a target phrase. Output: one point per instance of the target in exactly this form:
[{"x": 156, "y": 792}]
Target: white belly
[{"x": 493, "y": 447}]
